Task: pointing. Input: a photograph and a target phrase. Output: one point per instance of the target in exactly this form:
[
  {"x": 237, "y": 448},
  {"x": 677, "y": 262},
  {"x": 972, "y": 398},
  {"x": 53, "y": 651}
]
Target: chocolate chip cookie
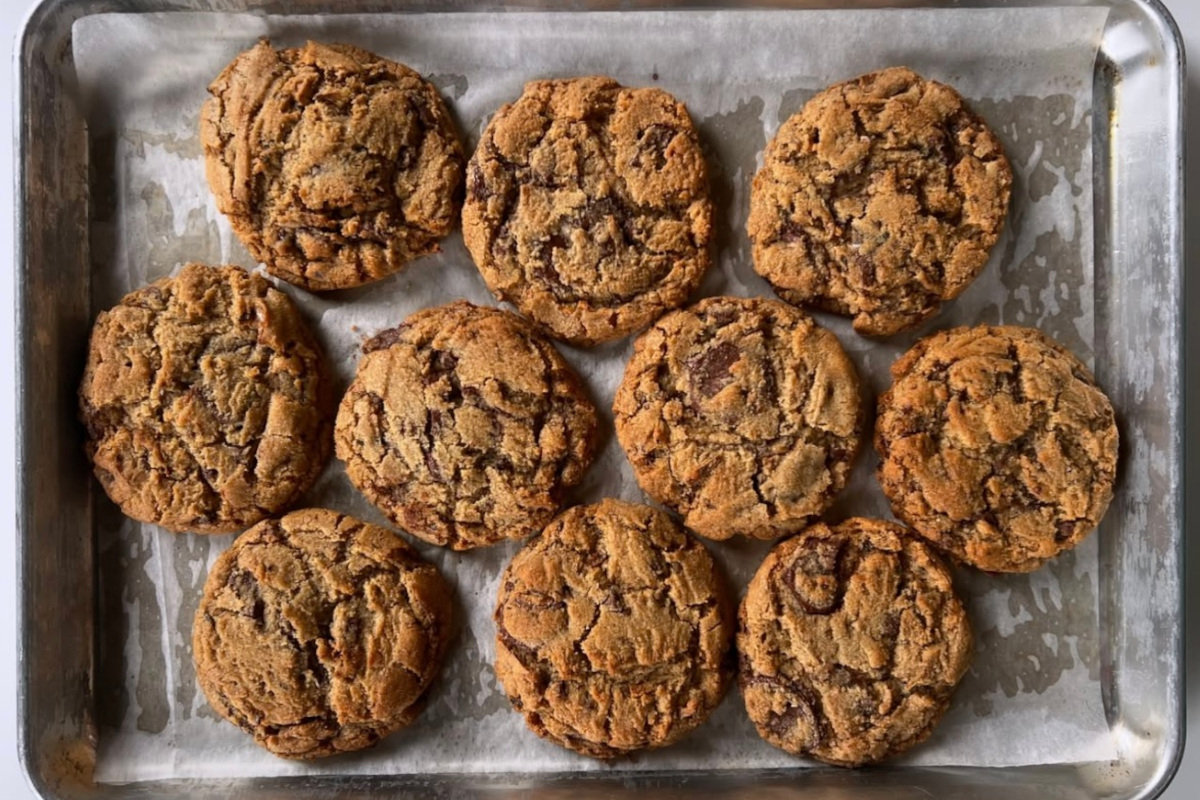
[
  {"x": 879, "y": 200},
  {"x": 335, "y": 167},
  {"x": 465, "y": 426},
  {"x": 206, "y": 401},
  {"x": 742, "y": 414},
  {"x": 318, "y": 633},
  {"x": 997, "y": 446},
  {"x": 588, "y": 207},
  {"x": 613, "y": 630},
  {"x": 851, "y": 641}
]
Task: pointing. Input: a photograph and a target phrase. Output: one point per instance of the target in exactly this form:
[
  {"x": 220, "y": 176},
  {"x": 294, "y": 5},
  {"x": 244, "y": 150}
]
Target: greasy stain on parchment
[
  {"x": 1048, "y": 283},
  {"x": 126, "y": 585},
  {"x": 452, "y": 87},
  {"x": 104, "y": 205},
  {"x": 200, "y": 239},
  {"x": 182, "y": 146},
  {"x": 792, "y": 101},
  {"x": 731, "y": 142},
  {"x": 449, "y": 84},
  {"x": 190, "y": 556},
  {"x": 112, "y": 702},
  {"x": 467, "y": 687},
  {"x": 1053, "y": 628}
]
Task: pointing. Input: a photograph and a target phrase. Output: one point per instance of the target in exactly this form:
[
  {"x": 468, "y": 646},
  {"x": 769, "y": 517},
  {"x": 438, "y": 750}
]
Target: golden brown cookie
[
  {"x": 742, "y": 414},
  {"x": 879, "y": 200},
  {"x": 206, "y": 401},
  {"x": 613, "y": 631},
  {"x": 850, "y": 641},
  {"x": 465, "y": 426},
  {"x": 588, "y": 207},
  {"x": 318, "y": 633},
  {"x": 335, "y": 167},
  {"x": 997, "y": 446}
]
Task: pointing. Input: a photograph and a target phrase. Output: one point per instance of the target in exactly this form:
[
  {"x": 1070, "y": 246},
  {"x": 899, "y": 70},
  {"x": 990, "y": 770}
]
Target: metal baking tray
[{"x": 1138, "y": 130}]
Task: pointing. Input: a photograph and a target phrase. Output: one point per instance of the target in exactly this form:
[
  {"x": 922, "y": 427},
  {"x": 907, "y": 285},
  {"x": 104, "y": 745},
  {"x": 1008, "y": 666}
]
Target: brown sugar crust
[
  {"x": 318, "y": 633},
  {"x": 997, "y": 446},
  {"x": 588, "y": 207},
  {"x": 851, "y": 641},
  {"x": 742, "y": 414},
  {"x": 335, "y": 167},
  {"x": 879, "y": 200},
  {"x": 206, "y": 401},
  {"x": 613, "y": 631},
  {"x": 465, "y": 426}
]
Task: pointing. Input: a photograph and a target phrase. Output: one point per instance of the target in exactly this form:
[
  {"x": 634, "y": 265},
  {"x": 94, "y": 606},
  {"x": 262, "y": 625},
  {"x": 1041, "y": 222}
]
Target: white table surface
[{"x": 13, "y": 786}]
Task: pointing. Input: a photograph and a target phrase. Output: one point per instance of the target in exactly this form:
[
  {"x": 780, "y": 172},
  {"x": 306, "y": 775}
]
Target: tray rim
[{"x": 43, "y": 14}]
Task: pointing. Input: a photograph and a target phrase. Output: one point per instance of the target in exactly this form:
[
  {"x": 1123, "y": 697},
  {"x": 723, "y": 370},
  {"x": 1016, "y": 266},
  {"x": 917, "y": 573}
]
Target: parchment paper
[{"x": 1033, "y": 694}]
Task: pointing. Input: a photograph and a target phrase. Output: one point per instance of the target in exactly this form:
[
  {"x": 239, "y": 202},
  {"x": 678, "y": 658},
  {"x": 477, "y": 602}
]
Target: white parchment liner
[{"x": 1033, "y": 694}]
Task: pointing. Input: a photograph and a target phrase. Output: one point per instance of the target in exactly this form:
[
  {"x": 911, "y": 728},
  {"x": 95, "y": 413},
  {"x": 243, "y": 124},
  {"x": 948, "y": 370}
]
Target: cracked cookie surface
[
  {"x": 613, "y": 630},
  {"x": 879, "y": 200},
  {"x": 588, "y": 207},
  {"x": 465, "y": 426},
  {"x": 206, "y": 401},
  {"x": 318, "y": 633},
  {"x": 742, "y": 414},
  {"x": 850, "y": 641},
  {"x": 997, "y": 446},
  {"x": 335, "y": 167}
]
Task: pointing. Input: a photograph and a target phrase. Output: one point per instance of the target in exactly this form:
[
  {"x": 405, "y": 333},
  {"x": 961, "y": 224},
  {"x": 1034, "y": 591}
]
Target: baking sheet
[{"x": 142, "y": 80}]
